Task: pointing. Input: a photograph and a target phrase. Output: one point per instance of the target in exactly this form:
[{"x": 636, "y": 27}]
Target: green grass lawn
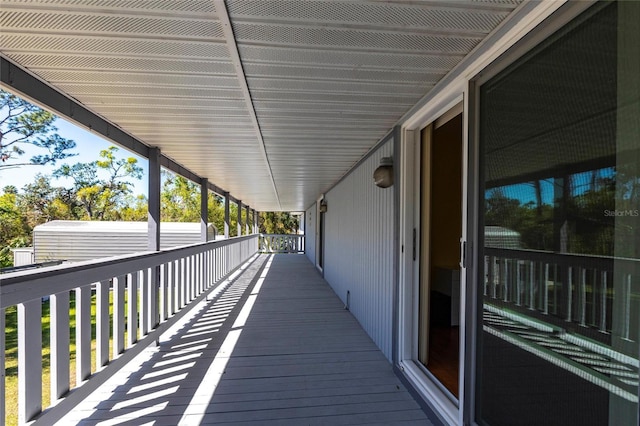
[{"x": 11, "y": 352}]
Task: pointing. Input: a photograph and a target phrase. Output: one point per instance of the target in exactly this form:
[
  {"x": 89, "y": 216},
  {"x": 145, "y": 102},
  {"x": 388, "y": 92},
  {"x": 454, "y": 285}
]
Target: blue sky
[{"x": 88, "y": 147}]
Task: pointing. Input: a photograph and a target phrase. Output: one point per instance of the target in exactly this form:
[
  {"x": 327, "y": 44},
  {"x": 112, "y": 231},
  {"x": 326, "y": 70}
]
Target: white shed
[
  {"x": 23, "y": 256},
  {"x": 84, "y": 240},
  {"x": 500, "y": 237}
]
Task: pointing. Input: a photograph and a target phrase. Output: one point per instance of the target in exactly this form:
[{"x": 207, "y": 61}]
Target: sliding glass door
[{"x": 559, "y": 228}]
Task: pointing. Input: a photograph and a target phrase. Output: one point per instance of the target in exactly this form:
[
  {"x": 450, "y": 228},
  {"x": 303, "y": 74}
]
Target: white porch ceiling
[{"x": 272, "y": 100}]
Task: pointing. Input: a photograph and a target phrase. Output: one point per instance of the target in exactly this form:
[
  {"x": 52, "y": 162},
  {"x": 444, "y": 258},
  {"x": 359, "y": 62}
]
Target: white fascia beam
[{"x": 223, "y": 15}]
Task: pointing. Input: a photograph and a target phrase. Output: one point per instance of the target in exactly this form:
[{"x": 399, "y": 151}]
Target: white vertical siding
[
  {"x": 359, "y": 243},
  {"x": 310, "y": 233}
]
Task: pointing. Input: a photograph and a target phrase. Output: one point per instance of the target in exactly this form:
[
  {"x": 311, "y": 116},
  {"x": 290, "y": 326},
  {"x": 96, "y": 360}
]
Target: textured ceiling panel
[
  {"x": 443, "y": 61},
  {"x": 70, "y": 23},
  {"x": 146, "y": 6},
  {"x": 96, "y": 45},
  {"x": 139, "y": 79},
  {"x": 423, "y": 17},
  {"x": 280, "y": 34},
  {"x": 272, "y": 100},
  {"x": 136, "y": 91},
  {"x": 301, "y": 85},
  {"x": 109, "y": 63}
]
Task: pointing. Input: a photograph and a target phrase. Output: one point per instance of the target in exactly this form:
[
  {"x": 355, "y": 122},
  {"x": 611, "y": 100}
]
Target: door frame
[
  {"x": 320, "y": 231},
  {"x": 410, "y": 232}
]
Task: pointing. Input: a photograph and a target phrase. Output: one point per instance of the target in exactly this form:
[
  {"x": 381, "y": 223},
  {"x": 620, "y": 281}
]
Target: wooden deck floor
[{"x": 273, "y": 347}]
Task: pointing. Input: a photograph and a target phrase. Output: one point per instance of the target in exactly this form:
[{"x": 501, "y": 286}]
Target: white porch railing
[
  {"x": 281, "y": 243},
  {"x": 157, "y": 285},
  {"x": 579, "y": 292}
]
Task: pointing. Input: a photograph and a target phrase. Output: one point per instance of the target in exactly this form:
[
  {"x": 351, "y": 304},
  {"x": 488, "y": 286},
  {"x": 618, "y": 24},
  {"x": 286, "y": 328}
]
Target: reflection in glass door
[{"x": 559, "y": 270}]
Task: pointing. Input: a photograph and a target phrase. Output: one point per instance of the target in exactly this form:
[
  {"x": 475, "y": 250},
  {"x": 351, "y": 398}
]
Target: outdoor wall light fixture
[
  {"x": 323, "y": 206},
  {"x": 383, "y": 176}
]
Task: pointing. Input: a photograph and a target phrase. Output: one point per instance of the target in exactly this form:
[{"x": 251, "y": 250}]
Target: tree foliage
[
  {"x": 22, "y": 123},
  {"x": 278, "y": 223},
  {"x": 14, "y": 229},
  {"x": 102, "y": 198},
  {"x": 581, "y": 214}
]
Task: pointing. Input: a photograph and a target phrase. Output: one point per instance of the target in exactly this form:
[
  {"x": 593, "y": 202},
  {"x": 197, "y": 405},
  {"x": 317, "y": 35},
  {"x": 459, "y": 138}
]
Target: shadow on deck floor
[{"x": 272, "y": 347}]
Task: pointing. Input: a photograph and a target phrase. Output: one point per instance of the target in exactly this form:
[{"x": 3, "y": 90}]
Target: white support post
[
  {"x": 83, "y": 333},
  {"x": 119, "y": 285},
  {"x": 102, "y": 323},
  {"x": 29, "y": 360},
  {"x": 59, "y": 344},
  {"x": 132, "y": 309}
]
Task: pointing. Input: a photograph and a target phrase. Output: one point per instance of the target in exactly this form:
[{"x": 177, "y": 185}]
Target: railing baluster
[
  {"x": 532, "y": 289},
  {"x": 118, "y": 315},
  {"x": 200, "y": 279},
  {"x": 171, "y": 295},
  {"x": 182, "y": 282},
  {"x": 59, "y": 344},
  {"x": 626, "y": 305},
  {"x": 196, "y": 275},
  {"x": 488, "y": 275},
  {"x": 29, "y": 360},
  {"x": 594, "y": 299},
  {"x": 83, "y": 333},
  {"x": 143, "y": 280},
  {"x": 102, "y": 323},
  {"x": 495, "y": 266},
  {"x": 154, "y": 282},
  {"x": 187, "y": 279},
  {"x": 505, "y": 288},
  {"x": 546, "y": 289},
  {"x": 192, "y": 277},
  {"x": 162, "y": 293},
  {"x": 519, "y": 282},
  {"x": 132, "y": 309},
  {"x": 583, "y": 297},
  {"x": 603, "y": 303},
  {"x": 555, "y": 288},
  {"x": 569, "y": 293}
]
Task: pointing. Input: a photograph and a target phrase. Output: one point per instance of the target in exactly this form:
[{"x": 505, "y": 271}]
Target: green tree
[
  {"x": 102, "y": 198},
  {"x": 180, "y": 202},
  {"x": 22, "y": 123},
  {"x": 41, "y": 202},
  {"x": 179, "y": 199},
  {"x": 14, "y": 229},
  {"x": 278, "y": 223},
  {"x": 135, "y": 209}
]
